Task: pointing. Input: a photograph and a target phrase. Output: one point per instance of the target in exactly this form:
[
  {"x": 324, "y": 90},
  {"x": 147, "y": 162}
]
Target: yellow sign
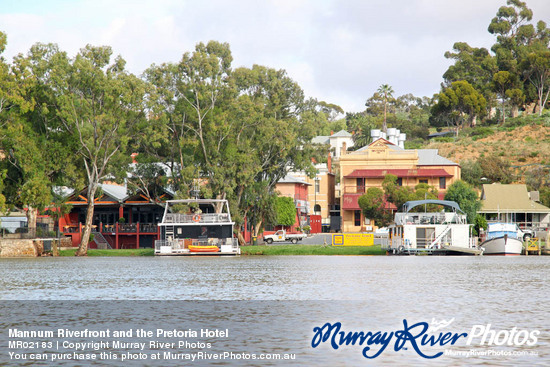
[{"x": 353, "y": 239}]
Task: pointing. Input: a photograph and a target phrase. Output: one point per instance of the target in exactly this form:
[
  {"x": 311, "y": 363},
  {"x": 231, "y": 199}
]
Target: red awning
[
  {"x": 350, "y": 202},
  {"x": 380, "y": 173}
]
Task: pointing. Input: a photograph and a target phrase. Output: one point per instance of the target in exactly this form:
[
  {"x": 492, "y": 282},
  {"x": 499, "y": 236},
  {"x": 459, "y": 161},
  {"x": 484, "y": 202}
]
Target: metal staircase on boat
[{"x": 438, "y": 239}]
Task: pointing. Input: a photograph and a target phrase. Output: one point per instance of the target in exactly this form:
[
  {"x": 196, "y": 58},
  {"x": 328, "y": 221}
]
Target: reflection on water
[{"x": 505, "y": 292}]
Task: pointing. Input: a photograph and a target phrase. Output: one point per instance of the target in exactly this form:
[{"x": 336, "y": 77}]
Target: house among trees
[
  {"x": 121, "y": 220},
  {"x": 368, "y": 166},
  {"x": 297, "y": 189},
  {"x": 512, "y": 203}
]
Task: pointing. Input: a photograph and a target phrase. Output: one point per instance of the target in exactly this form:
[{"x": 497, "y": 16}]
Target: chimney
[
  {"x": 331, "y": 132},
  {"x": 134, "y": 155},
  {"x": 329, "y": 163},
  {"x": 344, "y": 148}
]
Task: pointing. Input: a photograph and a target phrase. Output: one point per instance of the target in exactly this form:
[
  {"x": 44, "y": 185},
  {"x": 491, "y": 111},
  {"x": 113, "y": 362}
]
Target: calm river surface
[{"x": 288, "y": 293}]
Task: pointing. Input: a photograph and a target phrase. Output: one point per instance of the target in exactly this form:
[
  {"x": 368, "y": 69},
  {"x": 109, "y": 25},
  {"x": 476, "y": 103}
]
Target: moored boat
[
  {"x": 445, "y": 232},
  {"x": 502, "y": 239},
  {"x": 197, "y": 227}
]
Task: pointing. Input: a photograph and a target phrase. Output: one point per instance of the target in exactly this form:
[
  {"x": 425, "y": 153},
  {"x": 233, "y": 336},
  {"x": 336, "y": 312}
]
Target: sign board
[{"x": 353, "y": 239}]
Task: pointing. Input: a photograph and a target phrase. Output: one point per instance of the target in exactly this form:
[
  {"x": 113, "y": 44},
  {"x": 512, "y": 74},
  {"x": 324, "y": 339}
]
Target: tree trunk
[
  {"x": 257, "y": 228},
  {"x": 385, "y": 126},
  {"x": 84, "y": 241},
  {"x": 32, "y": 213},
  {"x": 503, "y": 113},
  {"x": 83, "y": 247},
  {"x": 241, "y": 239}
]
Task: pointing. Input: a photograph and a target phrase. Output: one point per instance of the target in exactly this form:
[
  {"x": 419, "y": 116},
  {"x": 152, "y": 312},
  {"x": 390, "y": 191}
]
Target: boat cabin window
[{"x": 203, "y": 232}]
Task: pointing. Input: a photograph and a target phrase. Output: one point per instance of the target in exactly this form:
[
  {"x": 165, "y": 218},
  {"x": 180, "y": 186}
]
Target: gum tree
[{"x": 100, "y": 104}]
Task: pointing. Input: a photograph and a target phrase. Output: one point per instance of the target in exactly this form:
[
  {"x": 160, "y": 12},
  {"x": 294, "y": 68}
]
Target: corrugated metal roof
[
  {"x": 431, "y": 157},
  {"x": 292, "y": 179},
  {"x": 342, "y": 133},
  {"x": 509, "y": 198},
  {"x": 320, "y": 140}
]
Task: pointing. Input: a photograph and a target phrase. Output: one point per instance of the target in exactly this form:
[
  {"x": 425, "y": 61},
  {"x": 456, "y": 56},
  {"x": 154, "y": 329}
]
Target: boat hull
[{"x": 507, "y": 246}]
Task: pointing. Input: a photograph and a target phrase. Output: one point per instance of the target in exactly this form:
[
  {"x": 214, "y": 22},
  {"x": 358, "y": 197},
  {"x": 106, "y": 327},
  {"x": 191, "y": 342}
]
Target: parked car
[{"x": 282, "y": 236}]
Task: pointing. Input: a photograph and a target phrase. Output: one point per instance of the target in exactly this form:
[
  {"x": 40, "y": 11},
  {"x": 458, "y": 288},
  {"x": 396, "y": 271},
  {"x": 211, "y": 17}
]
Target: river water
[{"x": 273, "y": 304}]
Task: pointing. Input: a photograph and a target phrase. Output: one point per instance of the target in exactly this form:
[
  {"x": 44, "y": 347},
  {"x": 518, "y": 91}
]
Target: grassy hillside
[{"x": 520, "y": 145}]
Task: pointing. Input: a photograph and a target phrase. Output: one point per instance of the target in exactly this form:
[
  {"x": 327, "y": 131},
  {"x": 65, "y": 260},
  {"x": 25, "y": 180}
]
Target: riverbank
[
  {"x": 253, "y": 250},
  {"x": 125, "y": 252}
]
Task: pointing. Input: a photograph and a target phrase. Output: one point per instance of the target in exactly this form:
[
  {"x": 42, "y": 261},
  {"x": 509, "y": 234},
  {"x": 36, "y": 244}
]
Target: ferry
[
  {"x": 435, "y": 233},
  {"x": 197, "y": 227}
]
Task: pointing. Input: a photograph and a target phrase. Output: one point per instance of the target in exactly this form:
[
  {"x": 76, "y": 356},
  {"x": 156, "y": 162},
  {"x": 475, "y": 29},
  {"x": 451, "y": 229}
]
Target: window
[
  {"x": 399, "y": 181},
  {"x": 442, "y": 183},
  {"x": 357, "y": 218},
  {"x": 317, "y": 186},
  {"x": 423, "y": 180},
  {"x": 360, "y": 185},
  {"x": 317, "y": 208}
]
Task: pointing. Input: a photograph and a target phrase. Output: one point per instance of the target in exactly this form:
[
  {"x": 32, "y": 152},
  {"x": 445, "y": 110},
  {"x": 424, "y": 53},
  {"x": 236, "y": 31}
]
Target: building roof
[
  {"x": 341, "y": 133},
  {"x": 431, "y": 157},
  {"x": 380, "y": 173},
  {"x": 439, "y": 134},
  {"x": 324, "y": 139},
  {"x": 320, "y": 140},
  {"x": 426, "y": 157},
  {"x": 499, "y": 198},
  {"x": 118, "y": 192},
  {"x": 292, "y": 179}
]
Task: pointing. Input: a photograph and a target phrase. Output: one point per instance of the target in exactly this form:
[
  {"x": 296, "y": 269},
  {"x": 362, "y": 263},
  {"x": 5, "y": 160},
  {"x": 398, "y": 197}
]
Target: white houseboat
[
  {"x": 445, "y": 232},
  {"x": 197, "y": 227}
]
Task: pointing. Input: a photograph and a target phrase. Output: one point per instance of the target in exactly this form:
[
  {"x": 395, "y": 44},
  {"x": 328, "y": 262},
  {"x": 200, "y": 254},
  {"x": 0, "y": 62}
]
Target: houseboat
[
  {"x": 502, "y": 239},
  {"x": 439, "y": 233},
  {"x": 196, "y": 227}
]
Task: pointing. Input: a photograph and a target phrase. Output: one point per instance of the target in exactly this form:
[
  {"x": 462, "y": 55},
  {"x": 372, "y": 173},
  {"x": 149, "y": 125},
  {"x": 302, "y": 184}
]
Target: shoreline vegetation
[{"x": 273, "y": 250}]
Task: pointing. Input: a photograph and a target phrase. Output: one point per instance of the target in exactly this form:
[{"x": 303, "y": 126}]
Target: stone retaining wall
[{"x": 26, "y": 248}]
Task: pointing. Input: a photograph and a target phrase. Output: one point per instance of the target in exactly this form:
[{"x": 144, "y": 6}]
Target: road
[{"x": 319, "y": 239}]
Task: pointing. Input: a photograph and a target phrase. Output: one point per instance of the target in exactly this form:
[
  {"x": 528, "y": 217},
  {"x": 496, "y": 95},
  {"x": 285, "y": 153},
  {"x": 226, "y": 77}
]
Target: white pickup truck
[{"x": 282, "y": 236}]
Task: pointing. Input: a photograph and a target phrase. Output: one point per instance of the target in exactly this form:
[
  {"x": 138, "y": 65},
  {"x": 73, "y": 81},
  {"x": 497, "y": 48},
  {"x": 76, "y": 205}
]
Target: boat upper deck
[
  {"x": 195, "y": 219},
  {"x": 429, "y": 218},
  {"x": 197, "y": 212}
]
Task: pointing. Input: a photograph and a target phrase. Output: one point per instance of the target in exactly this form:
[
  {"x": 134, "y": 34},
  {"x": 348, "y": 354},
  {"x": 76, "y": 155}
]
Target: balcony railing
[
  {"x": 197, "y": 218},
  {"x": 354, "y": 189},
  {"x": 112, "y": 229}
]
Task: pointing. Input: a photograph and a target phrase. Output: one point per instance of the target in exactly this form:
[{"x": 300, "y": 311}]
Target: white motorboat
[{"x": 502, "y": 239}]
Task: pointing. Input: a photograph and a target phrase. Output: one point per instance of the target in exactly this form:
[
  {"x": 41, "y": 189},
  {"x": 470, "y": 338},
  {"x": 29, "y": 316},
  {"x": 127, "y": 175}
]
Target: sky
[{"x": 338, "y": 51}]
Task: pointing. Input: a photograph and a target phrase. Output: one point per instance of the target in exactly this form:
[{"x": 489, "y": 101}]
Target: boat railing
[
  {"x": 429, "y": 218},
  {"x": 179, "y": 244},
  {"x": 197, "y": 218}
]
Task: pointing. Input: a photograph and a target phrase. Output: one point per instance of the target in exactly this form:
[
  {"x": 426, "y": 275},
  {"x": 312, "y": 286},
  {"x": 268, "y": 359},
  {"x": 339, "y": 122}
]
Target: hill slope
[{"x": 521, "y": 146}]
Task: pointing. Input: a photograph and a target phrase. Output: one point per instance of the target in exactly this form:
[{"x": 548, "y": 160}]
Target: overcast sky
[{"x": 339, "y": 51}]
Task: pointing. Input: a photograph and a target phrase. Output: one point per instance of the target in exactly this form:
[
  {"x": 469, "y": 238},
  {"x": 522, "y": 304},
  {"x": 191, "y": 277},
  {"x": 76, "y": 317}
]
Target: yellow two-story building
[{"x": 367, "y": 167}]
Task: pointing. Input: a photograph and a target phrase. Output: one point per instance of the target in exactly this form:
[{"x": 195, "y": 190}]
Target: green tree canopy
[
  {"x": 285, "y": 211},
  {"x": 459, "y": 104},
  {"x": 466, "y": 197},
  {"x": 372, "y": 203}
]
